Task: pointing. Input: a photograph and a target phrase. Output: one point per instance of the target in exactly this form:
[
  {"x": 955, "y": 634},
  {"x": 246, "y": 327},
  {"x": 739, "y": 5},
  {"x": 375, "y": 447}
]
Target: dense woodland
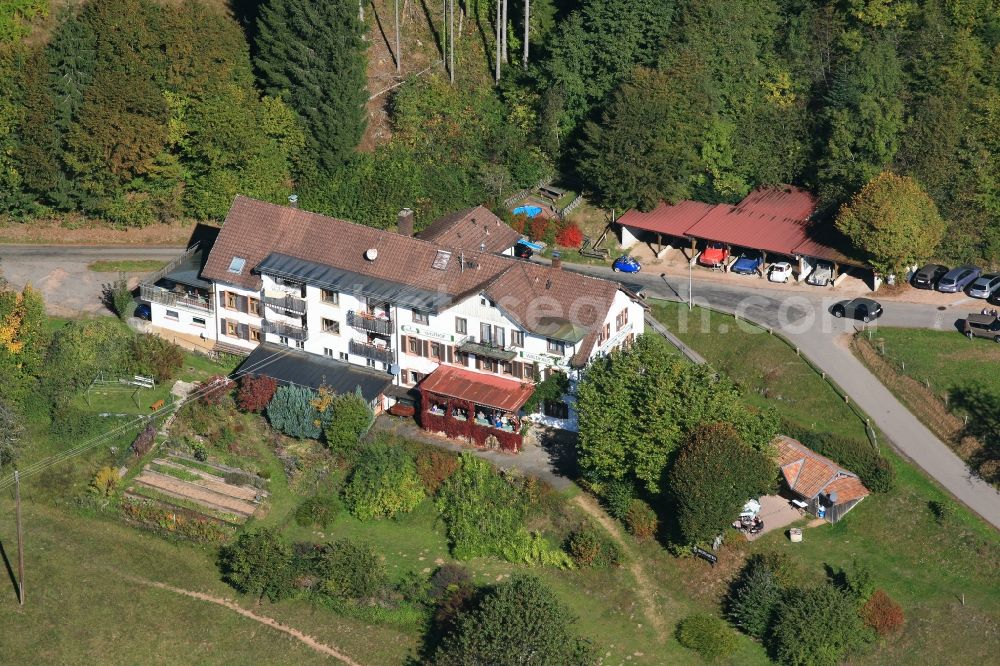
[{"x": 135, "y": 112}]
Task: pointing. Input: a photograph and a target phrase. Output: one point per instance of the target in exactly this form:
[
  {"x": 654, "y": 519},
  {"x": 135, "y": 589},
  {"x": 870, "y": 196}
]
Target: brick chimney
[
  {"x": 556, "y": 260},
  {"x": 405, "y": 222}
]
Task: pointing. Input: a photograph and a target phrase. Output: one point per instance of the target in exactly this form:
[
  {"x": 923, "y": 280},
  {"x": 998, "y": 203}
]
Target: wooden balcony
[
  {"x": 287, "y": 303},
  {"x": 383, "y": 354},
  {"x": 364, "y": 321},
  {"x": 174, "y": 299},
  {"x": 286, "y": 330}
]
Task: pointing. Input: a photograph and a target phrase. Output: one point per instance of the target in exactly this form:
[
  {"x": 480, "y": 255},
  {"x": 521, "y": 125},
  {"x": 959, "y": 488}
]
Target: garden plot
[{"x": 198, "y": 486}]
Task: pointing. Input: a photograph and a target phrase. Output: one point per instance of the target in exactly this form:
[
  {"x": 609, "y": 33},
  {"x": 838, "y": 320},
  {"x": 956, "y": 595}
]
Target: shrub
[
  {"x": 117, "y": 297},
  {"x": 384, "y": 483},
  {"x": 570, "y": 236},
  {"x": 640, "y": 520},
  {"x": 447, "y": 578},
  {"x": 214, "y": 389},
  {"x": 350, "y": 417},
  {"x": 291, "y": 412},
  {"x": 533, "y": 548},
  {"x": 317, "y": 511},
  {"x": 11, "y": 431},
  {"x": 144, "y": 441},
  {"x": 255, "y": 393},
  {"x": 942, "y": 510},
  {"x": 754, "y": 599},
  {"x": 482, "y": 512},
  {"x": 538, "y": 228},
  {"x": 519, "y": 222},
  {"x": 516, "y": 622},
  {"x": 707, "y": 635},
  {"x": 860, "y": 582},
  {"x": 199, "y": 452},
  {"x": 346, "y": 569},
  {"x": 617, "y": 497},
  {"x": 106, "y": 481},
  {"x": 591, "y": 547},
  {"x": 156, "y": 357},
  {"x": 882, "y": 614},
  {"x": 435, "y": 467},
  {"x": 817, "y": 626},
  {"x": 258, "y": 562}
]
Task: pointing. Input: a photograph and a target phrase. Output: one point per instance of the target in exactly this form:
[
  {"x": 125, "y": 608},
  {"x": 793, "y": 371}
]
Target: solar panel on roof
[{"x": 237, "y": 264}]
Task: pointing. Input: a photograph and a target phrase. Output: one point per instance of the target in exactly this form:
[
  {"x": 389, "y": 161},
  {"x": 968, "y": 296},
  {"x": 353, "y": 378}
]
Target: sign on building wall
[{"x": 429, "y": 333}]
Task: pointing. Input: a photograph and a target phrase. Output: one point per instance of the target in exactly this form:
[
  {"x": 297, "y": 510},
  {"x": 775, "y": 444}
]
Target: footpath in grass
[{"x": 925, "y": 563}]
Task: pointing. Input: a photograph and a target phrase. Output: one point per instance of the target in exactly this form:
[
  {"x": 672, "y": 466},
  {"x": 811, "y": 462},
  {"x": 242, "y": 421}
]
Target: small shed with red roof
[{"x": 817, "y": 480}]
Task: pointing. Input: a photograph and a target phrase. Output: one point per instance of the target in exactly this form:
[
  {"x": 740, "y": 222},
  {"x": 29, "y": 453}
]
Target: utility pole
[
  {"x": 20, "y": 540},
  {"x": 451, "y": 39},
  {"x": 399, "y": 63},
  {"x": 504, "y": 31},
  {"x": 527, "y": 15},
  {"x": 498, "y": 42}
]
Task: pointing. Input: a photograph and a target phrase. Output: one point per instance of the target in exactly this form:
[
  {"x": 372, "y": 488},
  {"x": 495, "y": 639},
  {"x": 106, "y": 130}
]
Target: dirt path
[
  {"x": 643, "y": 586},
  {"x": 269, "y": 622}
]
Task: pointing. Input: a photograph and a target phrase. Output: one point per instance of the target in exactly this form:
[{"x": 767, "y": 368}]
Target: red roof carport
[{"x": 487, "y": 390}]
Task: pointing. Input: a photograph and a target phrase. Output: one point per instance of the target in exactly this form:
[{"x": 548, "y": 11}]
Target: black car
[
  {"x": 928, "y": 276},
  {"x": 864, "y": 309},
  {"x": 522, "y": 251}
]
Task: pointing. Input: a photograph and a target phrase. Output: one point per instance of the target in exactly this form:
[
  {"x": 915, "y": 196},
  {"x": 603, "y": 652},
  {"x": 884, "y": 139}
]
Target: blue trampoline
[{"x": 529, "y": 211}]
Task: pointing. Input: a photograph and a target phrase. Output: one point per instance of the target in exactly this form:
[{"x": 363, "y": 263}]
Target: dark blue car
[
  {"x": 143, "y": 311},
  {"x": 747, "y": 264},
  {"x": 626, "y": 264}
]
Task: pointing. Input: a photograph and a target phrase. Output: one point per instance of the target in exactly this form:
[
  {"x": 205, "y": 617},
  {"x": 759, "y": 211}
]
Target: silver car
[
  {"x": 822, "y": 275},
  {"x": 985, "y": 286}
]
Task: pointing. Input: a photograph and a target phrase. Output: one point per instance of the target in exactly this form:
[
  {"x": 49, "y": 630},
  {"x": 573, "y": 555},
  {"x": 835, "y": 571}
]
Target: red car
[{"x": 714, "y": 255}]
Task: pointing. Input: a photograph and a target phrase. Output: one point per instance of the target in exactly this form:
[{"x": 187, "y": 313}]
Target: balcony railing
[
  {"x": 154, "y": 294},
  {"x": 287, "y": 303},
  {"x": 486, "y": 350},
  {"x": 286, "y": 330},
  {"x": 364, "y": 321},
  {"x": 382, "y": 354}
]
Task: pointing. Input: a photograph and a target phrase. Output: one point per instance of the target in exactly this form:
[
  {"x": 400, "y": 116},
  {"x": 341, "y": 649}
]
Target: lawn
[
  {"x": 126, "y": 265},
  {"x": 926, "y": 566},
  {"x": 947, "y": 359}
]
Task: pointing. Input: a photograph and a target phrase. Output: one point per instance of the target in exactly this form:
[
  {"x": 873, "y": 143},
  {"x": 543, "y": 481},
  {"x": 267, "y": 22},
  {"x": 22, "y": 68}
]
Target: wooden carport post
[
  {"x": 836, "y": 274},
  {"x": 763, "y": 263},
  {"x": 659, "y": 244},
  {"x": 725, "y": 262}
]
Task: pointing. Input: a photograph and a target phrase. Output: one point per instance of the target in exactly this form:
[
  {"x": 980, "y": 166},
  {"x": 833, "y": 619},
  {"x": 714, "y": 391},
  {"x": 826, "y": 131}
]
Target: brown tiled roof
[
  {"x": 471, "y": 229},
  {"x": 808, "y": 473},
  {"x": 531, "y": 293}
]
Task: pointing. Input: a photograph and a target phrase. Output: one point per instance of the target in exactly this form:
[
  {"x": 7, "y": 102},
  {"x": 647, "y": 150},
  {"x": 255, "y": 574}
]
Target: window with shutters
[
  {"x": 327, "y": 352},
  {"x": 487, "y": 364},
  {"x": 461, "y": 325},
  {"x": 556, "y": 346},
  {"x": 516, "y": 338},
  {"x": 421, "y": 317},
  {"x": 370, "y": 362},
  {"x": 344, "y": 356},
  {"x": 230, "y": 298},
  {"x": 232, "y": 329},
  {"x": 499, "y": 336},
  {"x": 485, "y": 333},
  {"x": 299, "y": 344},
  {"x": 621, "y": 319},
  {"x": 507, "y": 368},
  {"x": 331, "y": 326},
  {"x": 462, "y": 359},
  {"x": 605, "y": 335},
  {"x": 253, "y": 306},
  {"x": 283, "y": 339},
  {"x": 255, "y": 335},
  {"x": 437, "y": 350},
  {"x": 413, "y": 346},
  {"x": 415, "y": 376}
]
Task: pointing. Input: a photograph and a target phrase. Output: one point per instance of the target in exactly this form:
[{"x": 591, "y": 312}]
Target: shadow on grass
[
  {"x": 983, "y": 408},
  {"x": 10, "y": 570}
]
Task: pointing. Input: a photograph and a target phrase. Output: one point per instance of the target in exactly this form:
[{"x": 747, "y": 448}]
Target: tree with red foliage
[
  {"x": 519, "y": 222},
  {"x": 570, "y": 235},
  {"x": 882, "y": 613},
  {"x": 539, "y": 228},
  {"x": 255, "y": 392}
]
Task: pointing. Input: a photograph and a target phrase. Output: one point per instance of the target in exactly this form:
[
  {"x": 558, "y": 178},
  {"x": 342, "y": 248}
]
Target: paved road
[
  {"x": 802, "y": 316},
  {"x": 60, "y": 273},
  {"x": 800, "y": 313}
]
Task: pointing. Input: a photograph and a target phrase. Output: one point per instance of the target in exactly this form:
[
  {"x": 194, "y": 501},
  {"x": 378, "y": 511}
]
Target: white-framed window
[
  {"x": 421, "y": 317},
  {"x": 330, "y": 296},
  {"x": 370, "y": 362},
  {"x": 556, "y": 346},
  {"x": 198, "y": 321},
  {"x": 461, "y": 325},
  {"x": 255, "y": 335},
  {"x": 283, "y": 339},
  {"x": 173, "y": 315},
  {"x": 516, "y": 338},
  {"x": 299, "y": 344},
  {"x": 327, "y": 352},
  {"x": 331, "y": 326}
]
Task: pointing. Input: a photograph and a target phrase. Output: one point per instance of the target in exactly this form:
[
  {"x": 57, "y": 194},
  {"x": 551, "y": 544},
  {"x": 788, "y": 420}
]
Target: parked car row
[{"x": 967, "y": 278}]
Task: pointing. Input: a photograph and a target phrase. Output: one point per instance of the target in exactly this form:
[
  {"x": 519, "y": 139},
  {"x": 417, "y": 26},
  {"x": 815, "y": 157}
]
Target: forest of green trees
[{"x": 136, "y": 111}]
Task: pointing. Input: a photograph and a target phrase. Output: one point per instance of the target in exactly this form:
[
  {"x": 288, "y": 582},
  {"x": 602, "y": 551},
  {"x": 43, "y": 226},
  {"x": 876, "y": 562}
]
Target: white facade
[{"x": 393, "y": 338}]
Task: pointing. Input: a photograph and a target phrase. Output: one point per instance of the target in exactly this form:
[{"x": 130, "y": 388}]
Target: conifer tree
[{"x": 310, "y": 52}]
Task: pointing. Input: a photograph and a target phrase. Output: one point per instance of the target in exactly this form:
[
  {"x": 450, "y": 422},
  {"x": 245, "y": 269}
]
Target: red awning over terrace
[{"x": 482, "y": 389}]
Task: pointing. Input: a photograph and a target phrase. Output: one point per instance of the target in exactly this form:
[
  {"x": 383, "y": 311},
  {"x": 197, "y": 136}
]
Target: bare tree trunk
[
  {"x": 527, "y": 17},
  {"x": 498, "y": 42},
  {"x": 361, "y": 10},
  {"x": 504, "y": 31},
  {"x": 399, "y": 61}
]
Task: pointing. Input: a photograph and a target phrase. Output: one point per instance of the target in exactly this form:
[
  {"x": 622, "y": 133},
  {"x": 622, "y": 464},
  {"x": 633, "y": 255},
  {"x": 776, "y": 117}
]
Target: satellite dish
[
  {"x": 394, "y": 369},
  {"x": 371, "y": 254}
]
